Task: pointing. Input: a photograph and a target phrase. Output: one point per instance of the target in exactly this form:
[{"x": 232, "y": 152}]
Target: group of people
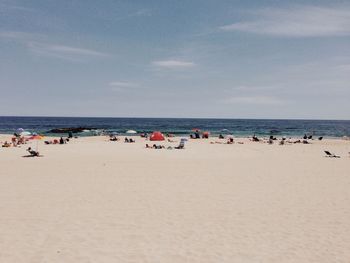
[
  {"x": 284, "y": 140},
  {"x": 155, "y": 146},
  {"x": 128, "y": 140},
  {"x": 60, "y": 141},
  {"x": 16, "y": 140}
]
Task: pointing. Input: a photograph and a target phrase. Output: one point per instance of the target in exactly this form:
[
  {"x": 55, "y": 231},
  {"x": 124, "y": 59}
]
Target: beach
[{"x": 93, "y": 200}]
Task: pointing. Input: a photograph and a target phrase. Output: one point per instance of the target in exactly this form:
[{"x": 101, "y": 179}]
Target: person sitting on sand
[
  {"x": 61, "y": 141},
  {"x": 230, "y": 141},
  {"x": 32, "y": 152},
  {"x": 6, "y": 144},
  {"x": 126, "y": 139},
  {"x": 113, "y": 139},
  {"x": 21, "y": 140},
  {"x": 255, "y": 139}
]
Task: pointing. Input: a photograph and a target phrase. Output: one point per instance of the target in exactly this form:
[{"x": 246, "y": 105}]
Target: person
[
  {"x": 126, "y": 139},
  {"x": 70, "y": 134},
  {"x": 21, "y": 140},
  {"x": 14, "y": 141},
  {"x": 255, "y": 139},
  {"x": 113, "y": 138},
  {"x": 61, "y": 141},
  {"x": 230, "y": 140},
  {"x": 6, "y": 144},
  {"x": 32, "y": 152}
]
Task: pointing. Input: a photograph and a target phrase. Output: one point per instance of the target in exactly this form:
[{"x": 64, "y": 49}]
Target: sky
[{"x": 161, "y": 58}]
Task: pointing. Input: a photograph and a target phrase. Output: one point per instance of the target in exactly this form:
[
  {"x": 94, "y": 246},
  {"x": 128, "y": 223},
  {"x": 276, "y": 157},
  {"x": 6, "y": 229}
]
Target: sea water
[{"x": 237, "y": 127}]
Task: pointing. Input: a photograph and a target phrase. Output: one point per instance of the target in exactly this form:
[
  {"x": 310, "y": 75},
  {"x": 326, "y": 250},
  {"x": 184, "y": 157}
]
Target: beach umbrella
[
  {"x": 25, "y": 133},
  {"x": 36, "y": 137},
  {"x": 19, "y": 130},
  {"x": 131, "y": 132}
]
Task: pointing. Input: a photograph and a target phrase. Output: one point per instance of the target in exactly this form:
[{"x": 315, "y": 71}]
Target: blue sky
[{"x": 225, "y": 59}]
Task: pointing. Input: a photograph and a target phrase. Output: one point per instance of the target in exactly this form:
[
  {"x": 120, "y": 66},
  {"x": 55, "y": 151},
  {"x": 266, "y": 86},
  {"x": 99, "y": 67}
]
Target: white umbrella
[
  {"x": 131, "y": 132},
  {"x": 25, "y": 133}
]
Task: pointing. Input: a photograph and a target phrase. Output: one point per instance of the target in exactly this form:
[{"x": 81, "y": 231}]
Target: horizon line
[{"x": 204, "y": 118}]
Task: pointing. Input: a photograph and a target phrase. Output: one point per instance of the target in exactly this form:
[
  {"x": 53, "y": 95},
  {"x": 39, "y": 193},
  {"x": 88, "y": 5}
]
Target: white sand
[{"x": 98, "y": 201}]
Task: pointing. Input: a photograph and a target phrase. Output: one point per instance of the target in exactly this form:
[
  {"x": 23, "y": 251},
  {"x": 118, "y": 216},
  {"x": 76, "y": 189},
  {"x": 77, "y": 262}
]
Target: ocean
[{"x": 237, "y": 127}]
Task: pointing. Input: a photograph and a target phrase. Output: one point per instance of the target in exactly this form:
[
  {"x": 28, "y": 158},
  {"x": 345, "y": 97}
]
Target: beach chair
[
  {"x": 328, "y": 154},
  {"x": 181, "y": 145}
]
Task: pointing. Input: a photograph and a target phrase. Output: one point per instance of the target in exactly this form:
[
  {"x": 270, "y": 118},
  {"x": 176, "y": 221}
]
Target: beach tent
[{"x": 157, "y": 136}]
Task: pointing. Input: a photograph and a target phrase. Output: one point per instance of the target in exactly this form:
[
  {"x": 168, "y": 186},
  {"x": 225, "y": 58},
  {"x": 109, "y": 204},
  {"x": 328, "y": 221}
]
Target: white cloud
[
  {"x": 173, "y": 64},
  {"x": 301, "y": 21},
  {"x": 36, "y": 43},
  {"x": 63, "y": 50},
  {"x": 122, "y": 85},
  {"x": 261, "y": 100},
  {"x": 74, "y": 50},
  {"x": 245, "y": 88}
]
